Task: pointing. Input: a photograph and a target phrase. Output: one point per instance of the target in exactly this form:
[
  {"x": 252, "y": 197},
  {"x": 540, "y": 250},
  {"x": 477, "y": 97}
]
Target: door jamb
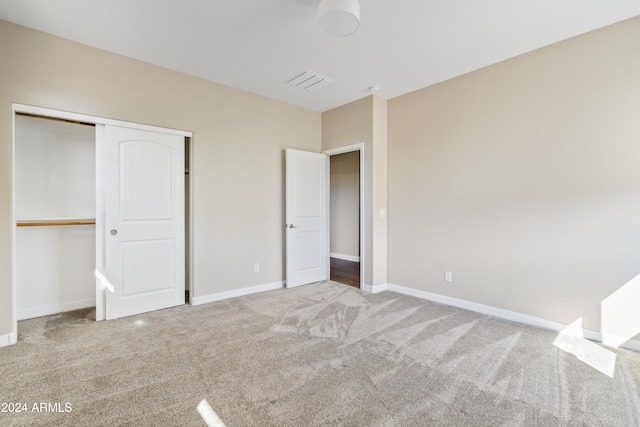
[
  {"x": 332, "y": 152},
  {"x": 66, "y": 115}
]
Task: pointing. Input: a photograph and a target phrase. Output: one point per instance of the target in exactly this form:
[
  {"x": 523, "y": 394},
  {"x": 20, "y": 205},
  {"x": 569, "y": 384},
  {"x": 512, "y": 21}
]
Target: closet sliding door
[
  {"x": 142, "y": 222},
  {"x": 55, "y": 210}
]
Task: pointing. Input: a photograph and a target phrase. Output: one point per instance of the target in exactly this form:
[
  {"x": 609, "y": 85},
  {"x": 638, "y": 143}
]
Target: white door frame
[
  {"x": 341, "y": 150},
  {"x": 65, "y": 115}
]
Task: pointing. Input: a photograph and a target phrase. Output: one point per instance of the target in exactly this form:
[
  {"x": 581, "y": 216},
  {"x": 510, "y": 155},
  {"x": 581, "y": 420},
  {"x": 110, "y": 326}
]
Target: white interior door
[
  {"x": 143, "y": 174},
  {"x": 306, "y": 217}
]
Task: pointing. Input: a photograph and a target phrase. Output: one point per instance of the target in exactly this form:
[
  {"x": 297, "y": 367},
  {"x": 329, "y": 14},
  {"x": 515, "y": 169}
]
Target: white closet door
[{"x": 144, "y": 220}]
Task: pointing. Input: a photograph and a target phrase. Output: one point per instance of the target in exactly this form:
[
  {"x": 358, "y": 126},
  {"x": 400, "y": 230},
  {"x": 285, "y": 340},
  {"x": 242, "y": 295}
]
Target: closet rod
[
  {"x": 36, "y": 116},
  {"x": 46, "y": 223}
]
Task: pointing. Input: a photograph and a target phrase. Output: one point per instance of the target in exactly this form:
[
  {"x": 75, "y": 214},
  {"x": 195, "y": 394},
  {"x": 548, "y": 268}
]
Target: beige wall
[
  {"x": 238, "y": 146},
  {"x": 365, "y": 121},
  {"x": 523, "y": 180},
  {"x": 345, "y": 204}
]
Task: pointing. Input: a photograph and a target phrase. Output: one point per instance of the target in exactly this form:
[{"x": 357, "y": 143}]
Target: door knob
[
  {"x": 293, "y": 226},
  {"x": 113, "y": 232}
]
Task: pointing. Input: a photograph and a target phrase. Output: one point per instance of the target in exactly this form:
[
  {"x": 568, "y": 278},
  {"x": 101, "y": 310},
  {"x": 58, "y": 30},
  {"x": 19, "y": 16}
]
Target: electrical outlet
[
  {"x": 448, "y": 276},
  {"x": 256, "y": 267}
]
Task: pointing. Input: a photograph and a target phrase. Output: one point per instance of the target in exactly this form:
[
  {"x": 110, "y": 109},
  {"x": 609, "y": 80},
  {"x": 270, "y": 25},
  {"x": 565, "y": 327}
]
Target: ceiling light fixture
[{"x": 339, "y": 18}]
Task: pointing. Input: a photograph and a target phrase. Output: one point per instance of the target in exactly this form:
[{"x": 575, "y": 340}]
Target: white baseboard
[
  {"x": 373, "y": 289},
  {"x": 597, "y": 336},
  {"x": 344, "y": 257},
  {"x": 502, "y": 314},
  {"x": 31, "y": 313},
  {"x": 219, "y": 296},
  {"x": 8, "y": 339}
]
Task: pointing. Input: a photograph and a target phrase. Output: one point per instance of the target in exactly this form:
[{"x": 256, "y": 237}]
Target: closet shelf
[{"x": 51, "y": 222}]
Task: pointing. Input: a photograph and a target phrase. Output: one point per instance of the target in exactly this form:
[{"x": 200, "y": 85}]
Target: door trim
[
  {"x": 332, "y": 152},
  {"x": 67, "y": 115}
]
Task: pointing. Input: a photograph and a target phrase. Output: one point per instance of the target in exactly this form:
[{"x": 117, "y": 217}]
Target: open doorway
[{"x": 346, "y": 225}]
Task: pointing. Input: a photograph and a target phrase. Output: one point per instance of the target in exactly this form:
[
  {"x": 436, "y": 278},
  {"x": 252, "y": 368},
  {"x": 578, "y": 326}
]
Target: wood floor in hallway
[{"x": 345, "y": 272}]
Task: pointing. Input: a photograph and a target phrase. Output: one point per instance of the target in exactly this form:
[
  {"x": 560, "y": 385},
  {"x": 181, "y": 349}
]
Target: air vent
[{"x": 309, "y": 81}]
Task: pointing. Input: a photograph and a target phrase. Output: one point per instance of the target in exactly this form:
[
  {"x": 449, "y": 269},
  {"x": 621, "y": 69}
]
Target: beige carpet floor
[{"x": 322, "y": 354}]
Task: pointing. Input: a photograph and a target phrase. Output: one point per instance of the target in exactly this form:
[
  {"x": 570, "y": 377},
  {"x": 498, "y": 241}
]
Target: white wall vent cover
[{"x": 309, "y": 81}]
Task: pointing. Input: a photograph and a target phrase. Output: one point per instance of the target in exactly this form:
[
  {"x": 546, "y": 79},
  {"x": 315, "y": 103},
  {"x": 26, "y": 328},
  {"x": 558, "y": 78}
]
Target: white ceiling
[{"x": 256, "y": 45}]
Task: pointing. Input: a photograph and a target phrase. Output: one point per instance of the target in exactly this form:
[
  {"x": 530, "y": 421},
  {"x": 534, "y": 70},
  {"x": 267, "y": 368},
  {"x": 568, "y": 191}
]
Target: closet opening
[
  {"x": 54, "y": 208},
  {"x": 58, "y": 211},
  {"x": 187, "y": 220}
]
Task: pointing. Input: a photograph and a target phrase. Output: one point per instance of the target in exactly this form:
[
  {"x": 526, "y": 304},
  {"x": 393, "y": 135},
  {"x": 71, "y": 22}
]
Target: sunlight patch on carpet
[
  {"x": 209, "y": 415},
  {"x": 571, "y": 340}
]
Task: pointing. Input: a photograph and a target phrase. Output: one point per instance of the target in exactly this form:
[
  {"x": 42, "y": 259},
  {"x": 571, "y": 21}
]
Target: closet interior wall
[{"x": 55, "y": 203}]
